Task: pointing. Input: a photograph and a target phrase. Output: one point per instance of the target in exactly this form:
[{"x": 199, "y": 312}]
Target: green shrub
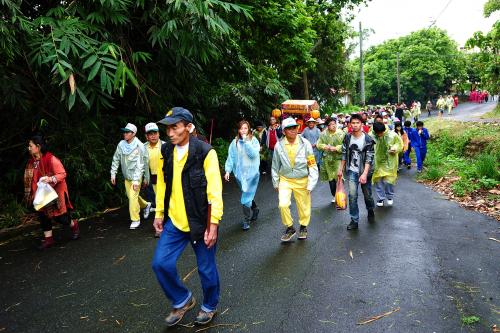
[
  {"x": 433, "y": 173},
  {"x": 470, "y": 320},
  {"x": 487, "y": 183},
  {"x": 221, "y": 146},
  {"x": 487, "y": 167},
  {"x": 463, "y": 187},
  {"x": 12, "y": 212}
]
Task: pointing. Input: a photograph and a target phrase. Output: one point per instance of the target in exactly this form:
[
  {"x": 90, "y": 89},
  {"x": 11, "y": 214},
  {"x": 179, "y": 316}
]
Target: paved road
[
  {"x": 465, "y": 111},
  {"x": 426, "y": 256}
]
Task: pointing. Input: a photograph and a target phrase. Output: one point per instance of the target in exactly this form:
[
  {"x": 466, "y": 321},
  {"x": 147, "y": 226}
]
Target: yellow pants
[
  {"x": 298, "y": 187},
  {"x": 135, "y": 202}
]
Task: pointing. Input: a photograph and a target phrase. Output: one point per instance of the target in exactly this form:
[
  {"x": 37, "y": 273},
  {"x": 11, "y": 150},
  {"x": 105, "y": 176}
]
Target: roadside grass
[
  {"x": 470, "y": 320},
  {"x": 468, "y": 151},
  {"x": 493, "y": 114}
]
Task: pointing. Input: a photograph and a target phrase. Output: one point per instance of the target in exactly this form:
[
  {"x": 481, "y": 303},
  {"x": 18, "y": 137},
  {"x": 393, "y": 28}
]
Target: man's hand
[
  {"x": 363, "y": 179},
  {"x": 211, "y": 235},
  {"x": 113, "y": 181},
  {"x": 135, "y": 187},
  {"x": 226, "y": 176},
  {"x": 45, "y": 179},
  {"x": 340, "y": 173},
  {"x": 158, "y": 224}
]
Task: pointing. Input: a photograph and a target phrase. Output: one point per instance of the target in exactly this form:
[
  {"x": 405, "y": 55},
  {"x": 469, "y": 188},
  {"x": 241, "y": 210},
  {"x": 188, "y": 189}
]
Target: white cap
[
  {"x": 151, "y": 127},
  {"x": 312, "y": 119},
  {"x": 130, "y": 128},
  {"x": 289, "y": 122}
]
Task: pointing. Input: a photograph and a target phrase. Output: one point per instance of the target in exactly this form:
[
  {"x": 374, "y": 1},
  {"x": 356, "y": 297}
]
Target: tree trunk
[{"x": 306, "y": 86}]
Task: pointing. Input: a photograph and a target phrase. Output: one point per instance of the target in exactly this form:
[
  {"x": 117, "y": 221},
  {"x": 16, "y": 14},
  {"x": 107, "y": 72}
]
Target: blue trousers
[
  {"x": 406, "y": 156},
  {"x": 150, "y": 195},
  {"x": 170, "y": 246},
  {"x": 353, "y": 181},
  {"x": 420, "y": 153}
]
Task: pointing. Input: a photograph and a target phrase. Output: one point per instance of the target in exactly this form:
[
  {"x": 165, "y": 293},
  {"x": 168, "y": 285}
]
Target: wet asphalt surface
[
  {"x": 464, "y": 112},
  {"x": 426, "y": 257}
]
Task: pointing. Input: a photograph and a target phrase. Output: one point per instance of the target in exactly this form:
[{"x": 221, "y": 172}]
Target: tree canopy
[
  {"x": 486, "y": 61},
  {"x": 430, "y": 63},
  {"x": 78, "y": 70}
]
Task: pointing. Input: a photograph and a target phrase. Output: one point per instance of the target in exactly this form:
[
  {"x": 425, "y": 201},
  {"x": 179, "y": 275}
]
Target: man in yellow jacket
[{"x": 188, "y": 210}]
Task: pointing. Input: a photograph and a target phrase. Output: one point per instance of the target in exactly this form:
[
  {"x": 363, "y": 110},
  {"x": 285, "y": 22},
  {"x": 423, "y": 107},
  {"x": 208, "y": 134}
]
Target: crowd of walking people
[{"x": 181, "y": 181}]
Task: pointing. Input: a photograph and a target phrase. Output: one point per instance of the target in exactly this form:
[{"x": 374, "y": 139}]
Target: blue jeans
[
  {"x": 420, "y": 153},
  {"x": 353, "y": 181},
  {"x": 384, "y": 190},
  {"x": 170, "y": 246}
]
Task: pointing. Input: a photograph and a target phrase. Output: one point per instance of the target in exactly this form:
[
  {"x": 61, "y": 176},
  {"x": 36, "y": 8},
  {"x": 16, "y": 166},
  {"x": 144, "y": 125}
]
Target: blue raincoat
[{"x": 243, "y": 161}]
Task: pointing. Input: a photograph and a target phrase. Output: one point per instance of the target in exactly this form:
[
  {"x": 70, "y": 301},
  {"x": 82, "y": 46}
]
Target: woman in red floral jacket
[{"x": 45, "y": 167}]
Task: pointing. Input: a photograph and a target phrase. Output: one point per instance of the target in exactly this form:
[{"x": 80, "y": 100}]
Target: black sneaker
[
  {"x": 371, "y": 216},
  {"x": 408, "y": 166},
  {"x": 302, "y": 232},
  {"x": 288, "y": 234},
  {"x": 352, "y": 226}
]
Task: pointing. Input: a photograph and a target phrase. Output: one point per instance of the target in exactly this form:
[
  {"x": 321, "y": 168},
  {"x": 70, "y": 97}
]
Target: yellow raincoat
[
  {"x": 385, "y": 163},
  {"x": 331, "y": 160}
]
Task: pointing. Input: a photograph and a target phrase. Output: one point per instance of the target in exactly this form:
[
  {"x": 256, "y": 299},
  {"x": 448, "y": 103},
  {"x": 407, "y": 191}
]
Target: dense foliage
[
  {"x": 470, "y": 151},
  {"x": 486, "y": 61},
  {"x": 430, "y": 63},
  {"x": 79, "y": 70}
]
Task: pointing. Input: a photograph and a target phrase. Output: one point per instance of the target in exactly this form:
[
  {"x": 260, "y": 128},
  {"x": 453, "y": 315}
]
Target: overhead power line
[{"x": 440, "y": 13}]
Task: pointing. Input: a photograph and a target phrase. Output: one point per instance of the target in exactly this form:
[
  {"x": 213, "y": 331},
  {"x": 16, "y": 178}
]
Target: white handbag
[{"x": 45, "y": 194}]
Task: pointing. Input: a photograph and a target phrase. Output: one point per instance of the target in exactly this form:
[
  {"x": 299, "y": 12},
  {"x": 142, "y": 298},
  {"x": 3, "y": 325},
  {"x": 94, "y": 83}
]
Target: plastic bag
[
  {"x": 45, "y": 194},
  {"x": 340, "y": 195}
]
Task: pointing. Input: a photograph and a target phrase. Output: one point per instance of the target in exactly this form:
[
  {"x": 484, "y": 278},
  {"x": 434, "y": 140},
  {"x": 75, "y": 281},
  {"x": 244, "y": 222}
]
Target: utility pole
[
  {"x": 397, "y": 76},
  {"x": 306, "y": 85},
  {"x": 361, "y": 71}
]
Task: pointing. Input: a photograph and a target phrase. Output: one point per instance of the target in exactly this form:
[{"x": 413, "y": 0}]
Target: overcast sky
[{"x": 394, "y": 18}]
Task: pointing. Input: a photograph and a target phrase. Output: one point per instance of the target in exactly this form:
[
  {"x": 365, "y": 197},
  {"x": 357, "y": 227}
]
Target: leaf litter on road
[
  {"x": 188, "y": 275},
  {"x": 217, "y": 325},
  {"x": 119, "y": 260},
  {"x": 13, "y": 305},
  {"x": 374, "y": 318}
]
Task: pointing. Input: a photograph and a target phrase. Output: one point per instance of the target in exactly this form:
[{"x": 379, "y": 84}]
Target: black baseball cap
[{"x": 175, "y": 115}]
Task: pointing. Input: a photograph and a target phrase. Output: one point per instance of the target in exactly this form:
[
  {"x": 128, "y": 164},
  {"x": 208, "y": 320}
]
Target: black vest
[{"x": 194, "y": 184}]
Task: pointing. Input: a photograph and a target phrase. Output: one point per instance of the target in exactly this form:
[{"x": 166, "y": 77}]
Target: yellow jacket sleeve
[
  {"x": 214, "y": 186},
  {"x": 160, "y": 190}
]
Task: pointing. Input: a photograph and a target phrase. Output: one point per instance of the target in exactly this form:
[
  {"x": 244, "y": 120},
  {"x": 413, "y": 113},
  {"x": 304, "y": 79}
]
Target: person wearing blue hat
[
  {"x": 130, "y": 154},
  {"x": 188, "y": 210}
]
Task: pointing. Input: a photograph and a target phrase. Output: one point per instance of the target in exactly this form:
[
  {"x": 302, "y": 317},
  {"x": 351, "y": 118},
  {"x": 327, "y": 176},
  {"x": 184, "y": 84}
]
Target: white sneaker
[
  {"x": 380, "y": 203},
  {"x": 390, "y": 202},
  {"x": 147, "y": 210},
  {"x": 333, "y": 200},
  {"x": 134, "y": 225}
]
